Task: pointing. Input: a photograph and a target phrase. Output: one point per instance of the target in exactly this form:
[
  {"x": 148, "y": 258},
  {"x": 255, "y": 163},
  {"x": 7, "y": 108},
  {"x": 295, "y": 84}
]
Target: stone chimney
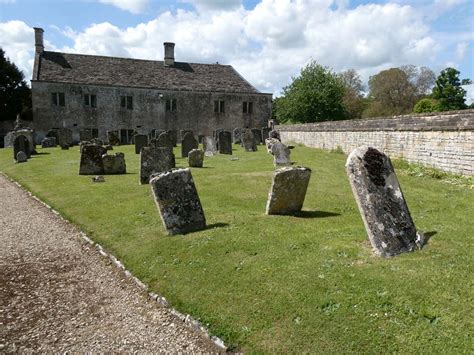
[
  {"x": 39, "y": 40},
  {"x": 169, "y": 53}
]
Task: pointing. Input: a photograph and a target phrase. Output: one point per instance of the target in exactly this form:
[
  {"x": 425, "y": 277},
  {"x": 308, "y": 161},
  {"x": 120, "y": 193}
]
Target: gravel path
[{"x": 58, "y": 294}]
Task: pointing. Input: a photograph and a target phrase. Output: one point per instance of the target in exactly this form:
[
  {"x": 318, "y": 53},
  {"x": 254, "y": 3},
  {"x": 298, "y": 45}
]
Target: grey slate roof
[{"x": 126, "y": 72}]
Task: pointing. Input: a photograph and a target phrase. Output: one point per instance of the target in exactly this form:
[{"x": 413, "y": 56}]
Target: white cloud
[
  {"x": 213, "y": 5},
  {"x": 133, "y": 6},
  {"x": 461, "y": 50}
]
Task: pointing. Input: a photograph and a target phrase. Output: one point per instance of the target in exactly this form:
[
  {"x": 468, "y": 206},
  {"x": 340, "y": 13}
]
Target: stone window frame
[
  {"x": 58, "y": 99},
  {"x": 247, "y": 107},
  {"x": 90, "y": 100},
  {"x": 219, "y": 106},
  {"x": 171, "y": 105},
  {"x": 126, "y": 102}
]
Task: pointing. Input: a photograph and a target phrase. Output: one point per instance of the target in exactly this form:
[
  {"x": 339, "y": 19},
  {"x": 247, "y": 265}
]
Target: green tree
[
  {"x": 353, "y": 99},
  {"x": 395, "y": 91},
  {"x": 466, "y": 81},
  {"x": 15, "y": 95},
  {"x": 314, "y": 96},
  {"x": 426, "y": 105},
  {"x": 448, "y": 90}
]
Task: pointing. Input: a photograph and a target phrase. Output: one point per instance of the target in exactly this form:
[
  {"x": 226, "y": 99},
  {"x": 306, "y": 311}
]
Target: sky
[{"x": 268, "y": 41}]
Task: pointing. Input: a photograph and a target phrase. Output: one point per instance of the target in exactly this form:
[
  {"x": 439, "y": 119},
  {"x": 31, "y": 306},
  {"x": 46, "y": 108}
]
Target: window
[
  {"x": 170, "y": 105},
  {"x": 90, "y": 100},
  {"x": 126, "y": 102},
  {"x": 247, "y": 107},
  {"x": 219, "y": 106},
  {"x": 58, "y": 99}
]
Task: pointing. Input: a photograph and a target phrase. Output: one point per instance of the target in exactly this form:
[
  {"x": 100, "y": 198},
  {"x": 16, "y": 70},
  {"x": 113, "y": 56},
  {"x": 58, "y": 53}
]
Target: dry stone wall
[{"x": 443, "y": 141}]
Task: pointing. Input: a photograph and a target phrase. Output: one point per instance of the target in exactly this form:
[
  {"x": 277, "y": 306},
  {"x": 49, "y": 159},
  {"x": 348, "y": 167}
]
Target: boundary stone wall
[{"x": 442, "y": 140}]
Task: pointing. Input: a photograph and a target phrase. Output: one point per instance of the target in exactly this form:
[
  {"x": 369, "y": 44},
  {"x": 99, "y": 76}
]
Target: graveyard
[{"x": 281, "y": 283}]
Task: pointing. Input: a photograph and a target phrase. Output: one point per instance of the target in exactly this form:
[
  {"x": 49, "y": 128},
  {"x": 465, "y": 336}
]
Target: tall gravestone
[
  {"x": 184, "y": 131},
  {"x": 187, "y": 144},
  {"x": 141, "y": 140},
  {"x": 164, "y": 141},
  {"x": 65, "y": 137},
  {"x": 381, "y": 203},
  {"x": 178, "y": 202},
  {"x": 21, "y": 144},
  {"x": 288, "y": 190},
  {"x": 155, "y": 160},
  {"x": 91, "y": 160},
  {"x": 209, "y": 146},
  {"x": 257, "y": 133},
  {"x": 224, "y": 143},
  {"x": 237, "y": 135},
  {"x": 113, "y": 137},
  {"x": 248, "y": 141},
  {"x": 173, "y": 134}
]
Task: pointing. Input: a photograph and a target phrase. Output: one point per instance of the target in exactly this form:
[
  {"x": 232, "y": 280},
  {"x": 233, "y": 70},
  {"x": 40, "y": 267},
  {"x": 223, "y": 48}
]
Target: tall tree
[
  {"x": 314, "y": 96},
  {"x": 395, "y": 91},
  {"x": 353, "y": 99},
  {"x": 15, "y": 95},
  {"x": 448, "y": 90}
]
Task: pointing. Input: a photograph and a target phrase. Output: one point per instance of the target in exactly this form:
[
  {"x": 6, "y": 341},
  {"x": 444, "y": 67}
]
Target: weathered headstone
[
  {"x": 85, "y": 135},
  {"x": 113, "y": 137},
  {"x": 224, "y": 142},
  {"x": 21, "y": 143},
  {"x": 258, "y": 135},
  {"x": 281, "y": 154},
  {"x": 178, "y": 202},
  {"x": 21, "y": 157},
  {"x": 158, "y": 132},
  {"x": 9, "y": 139},
  {"x": 173, "y": 135},
  {"x": 53, "y": 133},
  {"x": 155, "y": 160},
  {"x": 91, "y": 160},
  {"x": 248, "y": 141},
  {"x": 209, "y": 146},
  {"x": 114, "y": 164},
  {"x": 183, "y": 132},
  {"x": 381, "y": 203},
  {"x": 269, "y": 142},
  {"x": 265, "y": 133},
  {"x": 48, "y": 142},
  {"x": 141, "y": 140},
  {"x": 64, "y": 137},
  {"x": 187, "y": 144},
  {"x": 236, "y": 135},
  {"x": 196, "y": 158},
  {"x": 97, "y": 141},
  {"x": 274, "y": 134},
  {"x": 288, "y": 190},
  {"x": 164, "y": 141}
]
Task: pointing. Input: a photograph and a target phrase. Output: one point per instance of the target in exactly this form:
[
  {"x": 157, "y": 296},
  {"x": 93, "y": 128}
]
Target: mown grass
[{"x": 306, "y": 283}]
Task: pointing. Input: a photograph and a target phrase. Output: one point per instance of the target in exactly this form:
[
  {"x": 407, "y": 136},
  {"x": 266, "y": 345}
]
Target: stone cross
[
  {"x": 381, "y": 203},
  {"x": 177, "y": 201},
  {"x": 155, "y": 160},
  {"x": 288, "y": 190}
]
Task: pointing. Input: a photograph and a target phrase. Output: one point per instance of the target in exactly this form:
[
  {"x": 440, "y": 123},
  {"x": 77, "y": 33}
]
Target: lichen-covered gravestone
[
  {"x": 187, "y": 144},
  {"x": 113, "y": 137},
  {"x": 85, "y": 135},
  {"x": 114, "y": 164},
  {"x": 141, "y": 140},
  {"x": 381, "y": 203},
  {"x": 177, "y": 201},
  {"x": 274, "y": 134},
  {"x": 64, "y": 137},
  {"x": 209, "y": 146},
  {"x": 21, "y": 157},
  {"x": 48, "y": 142},
  {"x": 224, "y": 142},
  {"x": 237, "y": 135},
  {"x": 91, "y": 160},
  {"x": 288, "y": 190},
  {"x": 248, "y": 141},
  {"x": 155, "y": 160},
  {"x": 281, "y": 154},
  {"x": 196, "y": 158},
  {"x": 21, "y": 144}
]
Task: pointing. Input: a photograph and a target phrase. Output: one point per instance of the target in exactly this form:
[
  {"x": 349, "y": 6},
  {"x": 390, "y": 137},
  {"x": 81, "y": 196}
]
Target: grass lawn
[{"x": 306, "y": 283}]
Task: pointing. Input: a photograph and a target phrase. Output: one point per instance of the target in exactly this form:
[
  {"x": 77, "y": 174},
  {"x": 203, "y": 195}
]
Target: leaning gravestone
[
  {"x": 64, "y": 137},
  {"x": 48, "y": 142},
  {"x": 381, "y": 203},
  {"x": 257, "y": 134},
  {"x": 196, "y": 158},
  {"x": 178, "y": 201},
  {"x": 21, "y": 157},
  {"x": 155, "y": 160},
  {"x": 21, "y": 143},
  {"x": 209, "y": 146},
  {"x": 224, "y": 142},
  {"x": 114, "y": 164},
  {"x": 265, "y": 133},
  {"x": 248, "y": 141},
  {"x": 91, "y": 160},
  {"x": 141, "y": 140},
  {"x": 164, "y": 141},
  {"x": 113, "y": 137},
  {"x": 281, "y": 154},
  {"x": 237, "y": 135},
  {"x": 187, "y": 144},
  {"x": 288, "y": 190}
]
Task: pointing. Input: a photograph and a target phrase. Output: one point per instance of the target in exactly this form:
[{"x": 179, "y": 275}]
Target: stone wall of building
[
  {"x": 195, "y": 110},
  {"x": 444, "y": 141}
]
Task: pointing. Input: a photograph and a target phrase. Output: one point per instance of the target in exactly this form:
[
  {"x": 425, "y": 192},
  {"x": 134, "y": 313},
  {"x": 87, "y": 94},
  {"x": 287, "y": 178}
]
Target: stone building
[{"x": 101, "y": 93}]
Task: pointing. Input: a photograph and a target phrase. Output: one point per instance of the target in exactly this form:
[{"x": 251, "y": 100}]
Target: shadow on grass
[
  {"x": 315, "y": 214},
  {"x": 216, "y": 225},
  {"x": 427, "y": 236},
  {"x": 41, "y": 153}
]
